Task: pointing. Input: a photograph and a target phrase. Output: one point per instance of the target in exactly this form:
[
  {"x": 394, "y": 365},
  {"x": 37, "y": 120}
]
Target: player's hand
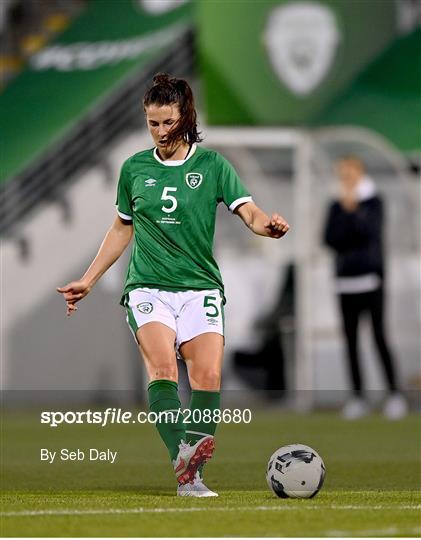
[
  {"x": 349, "y": 201},
  {"x": 276, "y": 226},
  {"x": 348, "y": 197},
  {"x": 72, "y": 293}
]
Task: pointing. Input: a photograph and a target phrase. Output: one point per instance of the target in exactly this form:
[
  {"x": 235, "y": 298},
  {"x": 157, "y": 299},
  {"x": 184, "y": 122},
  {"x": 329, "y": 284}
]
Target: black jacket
[{"x": 356, "y": 237}]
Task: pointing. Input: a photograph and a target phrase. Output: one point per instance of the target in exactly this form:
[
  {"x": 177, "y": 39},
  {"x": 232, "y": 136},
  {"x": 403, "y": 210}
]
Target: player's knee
[{"x": 206, "y": 380}]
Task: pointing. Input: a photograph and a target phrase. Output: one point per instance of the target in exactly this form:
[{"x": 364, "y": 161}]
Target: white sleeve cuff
[
  {"x": 239, "y": 201},
  {"x": 124, "y": 216}
]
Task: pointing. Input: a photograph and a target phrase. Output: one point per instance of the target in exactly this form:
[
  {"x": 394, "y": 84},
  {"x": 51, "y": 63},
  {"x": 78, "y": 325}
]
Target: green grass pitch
[{"x": 372, "y": 486}]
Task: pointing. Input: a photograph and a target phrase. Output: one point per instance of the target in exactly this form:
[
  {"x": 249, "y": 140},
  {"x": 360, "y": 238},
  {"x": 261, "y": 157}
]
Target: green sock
[
  {"x": 163, "y": 396},
  {"x": 202, "y": 400}
]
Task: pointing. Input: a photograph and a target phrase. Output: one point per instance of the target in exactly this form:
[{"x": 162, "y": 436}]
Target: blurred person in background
[
  {"x": 354, "y": 230},
  {"x": 167, "y": 196}
]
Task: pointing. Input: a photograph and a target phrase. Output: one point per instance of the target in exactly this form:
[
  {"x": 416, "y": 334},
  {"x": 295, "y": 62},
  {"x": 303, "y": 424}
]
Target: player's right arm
[{"x": 115, "y": 242}]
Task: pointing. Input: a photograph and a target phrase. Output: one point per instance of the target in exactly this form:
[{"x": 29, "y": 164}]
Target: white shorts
[{"x": 188, "y": 313}]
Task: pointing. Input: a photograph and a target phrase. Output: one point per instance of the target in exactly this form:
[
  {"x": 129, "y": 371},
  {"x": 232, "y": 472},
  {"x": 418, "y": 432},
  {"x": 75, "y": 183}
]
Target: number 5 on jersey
[{"x": 166, "y": 197}]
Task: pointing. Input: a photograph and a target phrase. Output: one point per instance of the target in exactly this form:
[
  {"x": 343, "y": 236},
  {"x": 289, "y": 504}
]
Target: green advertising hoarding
[
  {"x": 385, "y": 97},
  {"x": 109, "y": 41},
  {"x": 313, "y": 63},
  {"x": 282, "y": 61}
]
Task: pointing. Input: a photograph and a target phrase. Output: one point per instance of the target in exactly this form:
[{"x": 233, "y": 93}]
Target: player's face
[
  {"x": 160, "y": 120},
  {"x": 349, "y": 172}
]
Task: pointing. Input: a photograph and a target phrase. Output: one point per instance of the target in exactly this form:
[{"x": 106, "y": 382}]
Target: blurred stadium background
[{"x": 283, "y": 88}]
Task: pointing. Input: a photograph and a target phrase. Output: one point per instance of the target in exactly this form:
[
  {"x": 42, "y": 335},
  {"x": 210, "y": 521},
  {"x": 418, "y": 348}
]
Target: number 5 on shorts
[{"x": 208, "y": 302}]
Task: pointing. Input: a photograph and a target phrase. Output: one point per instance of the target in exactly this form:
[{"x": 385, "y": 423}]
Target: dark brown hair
[{"x": 167, "y": 90}]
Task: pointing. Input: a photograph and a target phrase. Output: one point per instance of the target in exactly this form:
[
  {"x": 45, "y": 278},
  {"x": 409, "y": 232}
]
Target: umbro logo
[{"x": 150, "y": 182}]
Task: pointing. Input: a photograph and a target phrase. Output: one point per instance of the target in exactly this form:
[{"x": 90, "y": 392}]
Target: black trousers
[{"x": 353, "y": 306}]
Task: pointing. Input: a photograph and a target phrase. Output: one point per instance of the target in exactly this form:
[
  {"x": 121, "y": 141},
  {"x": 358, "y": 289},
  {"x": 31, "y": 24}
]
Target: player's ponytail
[{"x": 167, "y": 90}]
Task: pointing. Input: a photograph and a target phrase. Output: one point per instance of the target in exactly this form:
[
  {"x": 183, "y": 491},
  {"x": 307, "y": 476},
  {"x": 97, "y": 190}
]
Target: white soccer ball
[{"x": 295, "y": 471}]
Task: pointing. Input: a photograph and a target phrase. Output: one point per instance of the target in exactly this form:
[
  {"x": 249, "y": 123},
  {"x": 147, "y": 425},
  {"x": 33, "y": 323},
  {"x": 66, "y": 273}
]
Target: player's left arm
[{"x": 274, "y": 226}]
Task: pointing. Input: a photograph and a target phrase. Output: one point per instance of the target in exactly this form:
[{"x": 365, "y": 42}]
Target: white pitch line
[
  {"x": 76, "y": 512},
  {"x": 402, "y": 531}
]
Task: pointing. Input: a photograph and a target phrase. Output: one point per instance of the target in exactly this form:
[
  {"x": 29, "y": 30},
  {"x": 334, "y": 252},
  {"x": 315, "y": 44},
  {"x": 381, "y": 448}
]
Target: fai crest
[
  {"x": 301, "y": 39},
  {"x": 145, "y": 307},
  {"x": 194, "y": 179}
]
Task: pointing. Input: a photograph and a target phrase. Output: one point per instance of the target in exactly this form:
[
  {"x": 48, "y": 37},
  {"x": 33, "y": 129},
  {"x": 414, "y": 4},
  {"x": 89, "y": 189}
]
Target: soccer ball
[{"x": 295, "y": 471}]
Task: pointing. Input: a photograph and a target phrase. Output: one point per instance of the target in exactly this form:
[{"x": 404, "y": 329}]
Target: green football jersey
[{"x": 173, "y": 207}]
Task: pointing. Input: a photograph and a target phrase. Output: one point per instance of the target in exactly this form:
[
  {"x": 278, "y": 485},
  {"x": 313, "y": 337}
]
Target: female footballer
[{"x": 174, "y": 295}]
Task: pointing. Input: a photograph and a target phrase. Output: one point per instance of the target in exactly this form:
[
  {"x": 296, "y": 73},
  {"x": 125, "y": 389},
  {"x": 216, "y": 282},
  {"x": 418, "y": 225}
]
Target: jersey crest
[
  {"x": 194, "y": 179},
  {"x": 145, "y": 307}
]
